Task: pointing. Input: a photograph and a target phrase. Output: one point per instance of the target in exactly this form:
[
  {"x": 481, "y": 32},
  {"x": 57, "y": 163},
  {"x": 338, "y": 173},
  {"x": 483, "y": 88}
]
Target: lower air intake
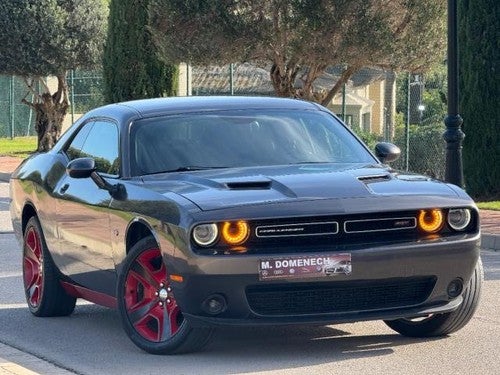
[{"x": 286, "y": 299}]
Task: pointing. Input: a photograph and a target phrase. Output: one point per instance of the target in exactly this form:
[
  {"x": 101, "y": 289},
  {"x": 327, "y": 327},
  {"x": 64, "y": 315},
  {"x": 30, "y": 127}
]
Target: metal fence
[
  {"x": 17, "y": 119},
  {"x": 86, "y": 91},
  {"x": 411, "y": 117},
  {"x": 421, "y": 106}
]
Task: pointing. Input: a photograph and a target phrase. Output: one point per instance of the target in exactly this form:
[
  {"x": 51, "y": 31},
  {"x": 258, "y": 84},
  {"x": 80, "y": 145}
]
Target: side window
[
  {"x": 98, "y": 140},
  {"x": 74, "y": 151},
  {"x": 102, "y": 145}
]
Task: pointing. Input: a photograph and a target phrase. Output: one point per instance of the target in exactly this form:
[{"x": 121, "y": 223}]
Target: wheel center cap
[{"x": 162, "y": 294}]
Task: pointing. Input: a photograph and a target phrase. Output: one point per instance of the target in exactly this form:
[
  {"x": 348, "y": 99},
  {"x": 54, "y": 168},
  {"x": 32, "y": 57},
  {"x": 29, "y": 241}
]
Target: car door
[{"x": 83, "y": 225}]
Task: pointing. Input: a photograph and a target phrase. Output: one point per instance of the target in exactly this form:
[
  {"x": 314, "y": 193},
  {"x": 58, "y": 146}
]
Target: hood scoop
[
  {"x": 248, "y": 185},
  {"x": 374, "y": 178}
]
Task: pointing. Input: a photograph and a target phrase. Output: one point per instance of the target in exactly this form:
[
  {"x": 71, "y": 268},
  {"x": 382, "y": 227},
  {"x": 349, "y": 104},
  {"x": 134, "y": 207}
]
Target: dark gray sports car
[{"x": 187, "y": 213}]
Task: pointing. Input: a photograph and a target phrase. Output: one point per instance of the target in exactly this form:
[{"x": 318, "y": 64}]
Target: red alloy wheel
[
  {"x": 149, "y": 302},
  {"x": 33, "y": 267}
]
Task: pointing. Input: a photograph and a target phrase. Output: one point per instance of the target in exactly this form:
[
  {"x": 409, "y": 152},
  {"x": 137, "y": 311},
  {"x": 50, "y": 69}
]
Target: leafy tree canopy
[
  {"x": 301, "y": 38},
  {"x": 48, "y": 37}
]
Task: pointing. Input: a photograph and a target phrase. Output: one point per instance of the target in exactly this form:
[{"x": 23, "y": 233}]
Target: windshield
[{"x": 246, "y": 138}]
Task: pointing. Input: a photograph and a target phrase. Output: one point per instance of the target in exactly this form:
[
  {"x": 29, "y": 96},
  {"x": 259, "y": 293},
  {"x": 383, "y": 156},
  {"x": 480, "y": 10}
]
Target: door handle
[{"x": 64, "y": 188}]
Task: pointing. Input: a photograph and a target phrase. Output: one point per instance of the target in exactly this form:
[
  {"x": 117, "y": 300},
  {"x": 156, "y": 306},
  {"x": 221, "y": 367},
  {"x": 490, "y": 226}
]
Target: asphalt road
[{"x": 91, "y": 341}]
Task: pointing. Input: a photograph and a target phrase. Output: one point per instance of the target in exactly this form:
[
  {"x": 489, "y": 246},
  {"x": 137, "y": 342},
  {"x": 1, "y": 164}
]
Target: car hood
[{"x": 223, "y": 188}]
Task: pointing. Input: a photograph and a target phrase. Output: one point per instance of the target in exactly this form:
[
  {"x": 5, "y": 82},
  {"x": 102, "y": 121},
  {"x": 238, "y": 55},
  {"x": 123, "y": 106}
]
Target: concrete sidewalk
[
  {"x": 490, "y": 220},
  {"x": 14, "y": 361}
]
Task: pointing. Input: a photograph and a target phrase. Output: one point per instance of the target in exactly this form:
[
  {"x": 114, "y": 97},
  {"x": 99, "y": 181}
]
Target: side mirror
[
  {"x": 387, "y": 152},
  {"x": 81, "y": 167},
  {"x": 85, "y": 167}
]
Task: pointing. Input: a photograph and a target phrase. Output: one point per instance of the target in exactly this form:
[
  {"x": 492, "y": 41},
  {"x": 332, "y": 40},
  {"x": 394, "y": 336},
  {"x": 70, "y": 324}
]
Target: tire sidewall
[{"x": 446, "y": 323}]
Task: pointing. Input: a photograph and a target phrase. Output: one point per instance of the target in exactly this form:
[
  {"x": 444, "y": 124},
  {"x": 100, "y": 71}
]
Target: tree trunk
[
  {"x": 307, "y": 91},
  {"x": 346, "y": 74},
  {"x": 50, "y": 110},
  {"x": 283, "y": 79}
]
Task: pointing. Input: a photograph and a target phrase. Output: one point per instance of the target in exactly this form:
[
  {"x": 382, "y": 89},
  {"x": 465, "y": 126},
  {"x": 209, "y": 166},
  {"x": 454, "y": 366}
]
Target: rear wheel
[
  {"x": 44, "y": 293},
  {"x": 148, "y": 308},
  {"x": 444, "y": 324}
]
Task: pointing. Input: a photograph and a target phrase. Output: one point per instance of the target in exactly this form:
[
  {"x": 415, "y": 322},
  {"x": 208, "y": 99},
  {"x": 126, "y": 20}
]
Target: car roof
[{"x": 160, "y": 106}]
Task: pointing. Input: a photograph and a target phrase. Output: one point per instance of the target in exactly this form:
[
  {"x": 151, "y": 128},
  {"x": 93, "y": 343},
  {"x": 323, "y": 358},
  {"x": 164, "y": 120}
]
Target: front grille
[
  {"x": 326, "y": 233},
  {"x": 298, "y": 229},
  {"x": 379, "y": 225},
  {"x": 320, "y": 298}
]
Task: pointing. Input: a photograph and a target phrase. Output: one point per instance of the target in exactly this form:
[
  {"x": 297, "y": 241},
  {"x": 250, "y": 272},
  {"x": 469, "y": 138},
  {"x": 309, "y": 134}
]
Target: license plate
[{"x": 301, "y": 267}]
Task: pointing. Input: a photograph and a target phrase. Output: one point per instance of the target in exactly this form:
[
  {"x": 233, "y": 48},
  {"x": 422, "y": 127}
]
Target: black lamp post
[{"x": 453, "y": 134}]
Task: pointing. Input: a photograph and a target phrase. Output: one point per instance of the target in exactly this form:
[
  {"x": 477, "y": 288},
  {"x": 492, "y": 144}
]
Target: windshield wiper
[
  {"x": 188, "y": 168},
  {"x": 310, "y": 162}
]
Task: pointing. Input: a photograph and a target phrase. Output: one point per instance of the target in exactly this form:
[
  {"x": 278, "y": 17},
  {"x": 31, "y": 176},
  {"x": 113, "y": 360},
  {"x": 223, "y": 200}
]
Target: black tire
[
  {"x": 44, "y": 293},
  {"x": 149, "y": 312},
  {"x": 444, "y": 324}
]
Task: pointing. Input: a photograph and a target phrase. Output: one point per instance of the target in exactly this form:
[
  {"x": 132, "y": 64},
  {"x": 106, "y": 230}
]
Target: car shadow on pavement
[
  {"x": 87, "y": 340},
  {"x": 306, "y": 345}
]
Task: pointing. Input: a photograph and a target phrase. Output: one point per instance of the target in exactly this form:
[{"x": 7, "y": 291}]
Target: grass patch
[
  {"x": 493, "y": 205},
  {"x": 20, "y": 146}
]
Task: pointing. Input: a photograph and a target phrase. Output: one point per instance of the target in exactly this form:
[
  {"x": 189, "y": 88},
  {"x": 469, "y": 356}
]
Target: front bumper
[{"x": 387, "y": 282}]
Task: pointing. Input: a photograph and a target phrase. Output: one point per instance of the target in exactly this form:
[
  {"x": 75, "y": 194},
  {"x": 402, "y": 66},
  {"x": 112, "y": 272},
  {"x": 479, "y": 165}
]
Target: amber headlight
[
  {"x": 459, "y": 218},
  {"x": 205, "y": 234},
  {"x": 235, "y": 232},
  {"x": 430, "y": 221}
]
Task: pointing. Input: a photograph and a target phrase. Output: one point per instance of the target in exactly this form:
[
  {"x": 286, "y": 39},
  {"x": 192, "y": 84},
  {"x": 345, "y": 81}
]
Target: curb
[
  {"x": 4, "y": 177},
  {"x": 490, "y": 242},
  {"x": 16, "y": 362}
]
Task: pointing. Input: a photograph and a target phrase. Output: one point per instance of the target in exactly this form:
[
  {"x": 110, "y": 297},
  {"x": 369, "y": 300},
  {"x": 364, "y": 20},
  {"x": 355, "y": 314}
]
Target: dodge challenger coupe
[{"x": 188, "y": 213}]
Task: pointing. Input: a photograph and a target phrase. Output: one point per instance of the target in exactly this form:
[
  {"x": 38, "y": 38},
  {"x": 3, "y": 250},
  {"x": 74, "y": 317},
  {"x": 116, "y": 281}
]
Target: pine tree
[
  {"x": 131, "y": 67},
  {"x": 479, "y": 49}
]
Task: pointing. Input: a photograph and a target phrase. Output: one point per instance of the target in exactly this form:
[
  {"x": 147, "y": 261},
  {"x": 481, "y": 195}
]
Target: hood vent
[
  {"x": 249, "y": 185},
  {"x": 374, "y": 178}
]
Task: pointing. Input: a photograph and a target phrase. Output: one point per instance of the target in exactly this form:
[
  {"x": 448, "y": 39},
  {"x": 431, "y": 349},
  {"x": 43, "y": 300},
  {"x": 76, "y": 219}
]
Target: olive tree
[
  {"x": 40, "y": 38},
  {"x": 300, "y": 39}
]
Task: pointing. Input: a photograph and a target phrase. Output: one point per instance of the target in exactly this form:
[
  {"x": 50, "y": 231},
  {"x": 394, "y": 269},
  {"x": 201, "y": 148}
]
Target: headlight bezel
[
  {"x": 431, "y": 220},
  {"x": 467, "y": 215},
  {"x": 227, "y": 233},
  {"x": 210, "y": 238}
]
